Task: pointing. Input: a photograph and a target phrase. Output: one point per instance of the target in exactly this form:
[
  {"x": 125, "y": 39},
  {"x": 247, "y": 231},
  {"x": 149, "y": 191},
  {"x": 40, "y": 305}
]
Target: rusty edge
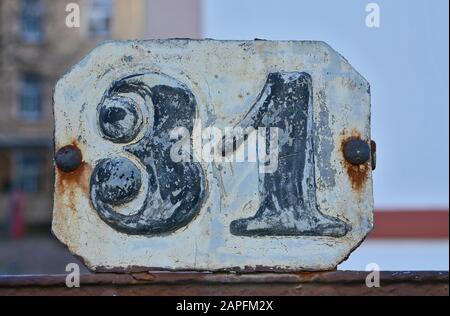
[
  {"x": 180, "y": 278},
  {"x": 357, "y": 174}
]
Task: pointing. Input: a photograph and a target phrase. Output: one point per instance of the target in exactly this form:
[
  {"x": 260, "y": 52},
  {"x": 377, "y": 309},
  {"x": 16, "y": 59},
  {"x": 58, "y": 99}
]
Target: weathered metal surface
[
  {"x": 169, "y": 179},
  {"x": 265, "y": 284}
]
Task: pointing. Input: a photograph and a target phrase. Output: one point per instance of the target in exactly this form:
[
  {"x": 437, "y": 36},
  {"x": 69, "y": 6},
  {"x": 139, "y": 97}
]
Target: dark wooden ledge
[{"x": 193, "y": 284}]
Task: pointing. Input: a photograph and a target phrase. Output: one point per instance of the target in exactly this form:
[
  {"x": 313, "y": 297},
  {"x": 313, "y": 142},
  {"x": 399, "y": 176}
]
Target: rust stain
[
  {"x": 78, "y": 178},
  {"x": 357, "y": 174},
  {"x": 143, "y": 276},
  {"x": 269, "y": 284},
  {"x": 72, "y": 183}
]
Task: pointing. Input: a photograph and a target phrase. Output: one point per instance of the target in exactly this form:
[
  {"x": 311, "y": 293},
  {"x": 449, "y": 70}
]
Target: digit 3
[{"x": 175, "y": 191}]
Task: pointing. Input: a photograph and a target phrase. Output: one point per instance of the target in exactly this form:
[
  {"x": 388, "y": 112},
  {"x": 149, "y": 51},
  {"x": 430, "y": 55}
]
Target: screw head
[
  {"x": 68, "y": 158},
  {"x": 357, "y": 151}
]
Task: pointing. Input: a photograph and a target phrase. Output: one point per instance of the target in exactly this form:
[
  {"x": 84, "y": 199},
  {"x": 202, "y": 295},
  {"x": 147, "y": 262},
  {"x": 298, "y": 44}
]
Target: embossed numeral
[
  {"x": 288, "y": 204},
  {"x": 174, "y": 190}
]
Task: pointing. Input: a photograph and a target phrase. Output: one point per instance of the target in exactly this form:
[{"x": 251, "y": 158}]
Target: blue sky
[{"x": 406, "y": 60}]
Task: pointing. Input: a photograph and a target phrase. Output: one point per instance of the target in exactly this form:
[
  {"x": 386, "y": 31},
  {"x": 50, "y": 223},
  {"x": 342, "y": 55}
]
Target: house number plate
[{"x": 212, "y": 155}]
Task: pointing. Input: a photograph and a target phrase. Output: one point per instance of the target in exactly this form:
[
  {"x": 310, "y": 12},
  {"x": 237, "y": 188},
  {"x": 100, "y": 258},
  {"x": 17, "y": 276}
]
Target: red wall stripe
[{"x": 418, "y": 224}]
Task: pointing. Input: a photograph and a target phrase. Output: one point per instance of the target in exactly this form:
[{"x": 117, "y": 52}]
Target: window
[
  {"x": 100, "y": 12},
  {"x": 28, "y": 171},
  {"x": 30, "y": 98},
  {"x": 31, "y": 21}
]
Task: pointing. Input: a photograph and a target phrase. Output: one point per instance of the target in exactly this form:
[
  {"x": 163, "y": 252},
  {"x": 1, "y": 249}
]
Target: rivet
[
  {"x": 357, "y": 151},
  {"x": 68, "y": 158}
]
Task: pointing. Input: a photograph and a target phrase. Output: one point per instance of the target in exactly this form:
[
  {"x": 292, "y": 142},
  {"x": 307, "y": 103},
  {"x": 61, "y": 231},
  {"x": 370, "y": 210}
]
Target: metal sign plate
[{"x": 212, "y": 155}]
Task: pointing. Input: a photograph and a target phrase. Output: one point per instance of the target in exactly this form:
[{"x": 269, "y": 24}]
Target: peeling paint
[{"x": 129, "y": 207}]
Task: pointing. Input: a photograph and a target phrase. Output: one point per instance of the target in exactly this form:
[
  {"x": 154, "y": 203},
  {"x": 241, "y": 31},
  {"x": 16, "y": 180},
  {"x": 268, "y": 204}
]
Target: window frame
[
  {"x": 30, "y": 90},
  {"x": 28, "y": 178},
  {"x": 100, "y": 12},
  {"x": 31, "y": 21}
]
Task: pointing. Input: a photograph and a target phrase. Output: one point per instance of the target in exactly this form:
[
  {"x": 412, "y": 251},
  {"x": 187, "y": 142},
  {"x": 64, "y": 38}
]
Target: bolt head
[
  {"x": 357, "y": 151},
  {"x": 68, "y": 158}
]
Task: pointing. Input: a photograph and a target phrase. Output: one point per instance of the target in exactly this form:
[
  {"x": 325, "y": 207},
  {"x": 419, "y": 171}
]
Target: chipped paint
[{"x": 129, "y": 207}]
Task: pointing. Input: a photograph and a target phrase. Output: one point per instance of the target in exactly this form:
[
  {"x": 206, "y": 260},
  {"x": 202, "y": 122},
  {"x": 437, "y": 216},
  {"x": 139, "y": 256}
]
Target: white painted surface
[{"x": 206, "y": 243}]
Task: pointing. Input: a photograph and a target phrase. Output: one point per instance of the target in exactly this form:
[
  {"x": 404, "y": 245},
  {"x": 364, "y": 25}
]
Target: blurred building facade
[{"x": 36, "y": 48}]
